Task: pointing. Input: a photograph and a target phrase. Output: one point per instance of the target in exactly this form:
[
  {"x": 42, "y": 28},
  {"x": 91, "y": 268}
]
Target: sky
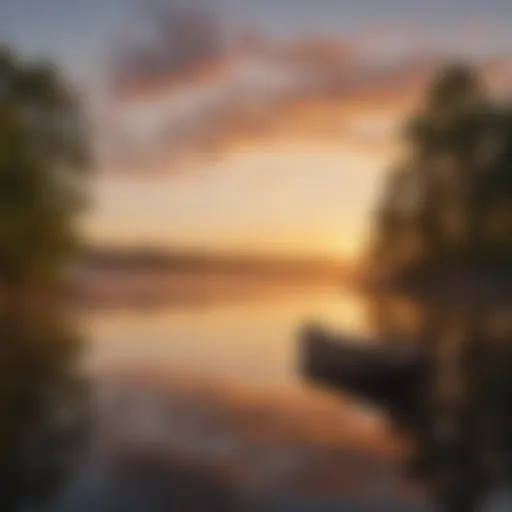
[{"x": 251, "y": 125}]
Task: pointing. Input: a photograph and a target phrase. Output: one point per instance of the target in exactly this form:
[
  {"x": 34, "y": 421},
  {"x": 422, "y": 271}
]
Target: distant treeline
[{"x": 162, "y": 261}]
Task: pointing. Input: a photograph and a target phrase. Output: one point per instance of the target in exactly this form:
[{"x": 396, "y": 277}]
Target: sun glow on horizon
[{"x": 311, "y": 198}]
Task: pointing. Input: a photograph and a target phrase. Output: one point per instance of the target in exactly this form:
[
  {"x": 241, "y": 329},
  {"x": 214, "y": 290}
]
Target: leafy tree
[
  {"x": 447, "y": 208},
  {"x": 450, "y": 203},
  {"x": 43, "y": 157}
]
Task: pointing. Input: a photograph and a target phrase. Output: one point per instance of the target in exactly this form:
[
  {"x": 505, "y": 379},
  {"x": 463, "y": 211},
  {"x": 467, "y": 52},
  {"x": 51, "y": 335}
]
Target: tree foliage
[
  {"x": 450, "y": 201},
  {"x": 43, "y": 153},
  {"x": 43, "y": 157}
]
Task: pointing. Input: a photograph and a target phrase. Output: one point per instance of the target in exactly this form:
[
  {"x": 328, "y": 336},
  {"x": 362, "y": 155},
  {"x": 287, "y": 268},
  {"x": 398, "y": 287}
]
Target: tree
[
  {"x": 43, "y": 157},
  {"x": 459, "y": 168},
  {"x": 453, "y": 196}
]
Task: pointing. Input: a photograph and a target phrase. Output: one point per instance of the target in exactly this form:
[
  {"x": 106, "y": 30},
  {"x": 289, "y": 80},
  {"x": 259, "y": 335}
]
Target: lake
[
  {"x": 251, "y": 340},
  {"x": 213, "y": 388}
]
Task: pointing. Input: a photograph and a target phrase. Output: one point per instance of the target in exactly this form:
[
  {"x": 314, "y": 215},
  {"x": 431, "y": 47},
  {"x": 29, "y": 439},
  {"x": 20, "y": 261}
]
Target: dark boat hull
[{"x": 385, "y": 375}]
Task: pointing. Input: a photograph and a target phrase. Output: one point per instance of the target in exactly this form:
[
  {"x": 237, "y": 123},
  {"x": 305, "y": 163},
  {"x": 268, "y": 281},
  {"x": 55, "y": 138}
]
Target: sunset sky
[{"x": 251, "y": 125}]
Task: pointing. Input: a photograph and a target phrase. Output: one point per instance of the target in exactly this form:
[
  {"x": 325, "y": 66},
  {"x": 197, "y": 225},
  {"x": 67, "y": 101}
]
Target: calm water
[
  {"x": 253, "y": 340},
  {"x": 217, "y": 383},
  {"x": 203, "y": 399},
  {"x": 252, "y": 416}
]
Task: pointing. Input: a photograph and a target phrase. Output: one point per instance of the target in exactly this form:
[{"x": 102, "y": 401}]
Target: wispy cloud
[{"x": 187, "y": 85}]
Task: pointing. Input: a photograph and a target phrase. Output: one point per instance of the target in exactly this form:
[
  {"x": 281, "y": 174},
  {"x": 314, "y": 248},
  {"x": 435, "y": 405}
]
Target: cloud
[
  {"x": 188, "y": 86},
  {"x": 171, "y": 44}
]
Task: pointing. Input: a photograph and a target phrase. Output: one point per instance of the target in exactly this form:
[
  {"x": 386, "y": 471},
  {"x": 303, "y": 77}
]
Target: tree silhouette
[
  {"x": 43, "y": 152},
  {"x": 450, "y": 202},
  {"x": 447, "y": 208}
]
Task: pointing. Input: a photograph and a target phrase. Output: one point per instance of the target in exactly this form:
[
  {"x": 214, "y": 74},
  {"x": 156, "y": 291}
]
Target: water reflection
[
  {"x": 464, "y": 430},
  {"x": 42, "y": 402},
  {"x": 443, "y": 371},
  {"x": 217, "y": 391},
  {"x": 253, "y": 341}
]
